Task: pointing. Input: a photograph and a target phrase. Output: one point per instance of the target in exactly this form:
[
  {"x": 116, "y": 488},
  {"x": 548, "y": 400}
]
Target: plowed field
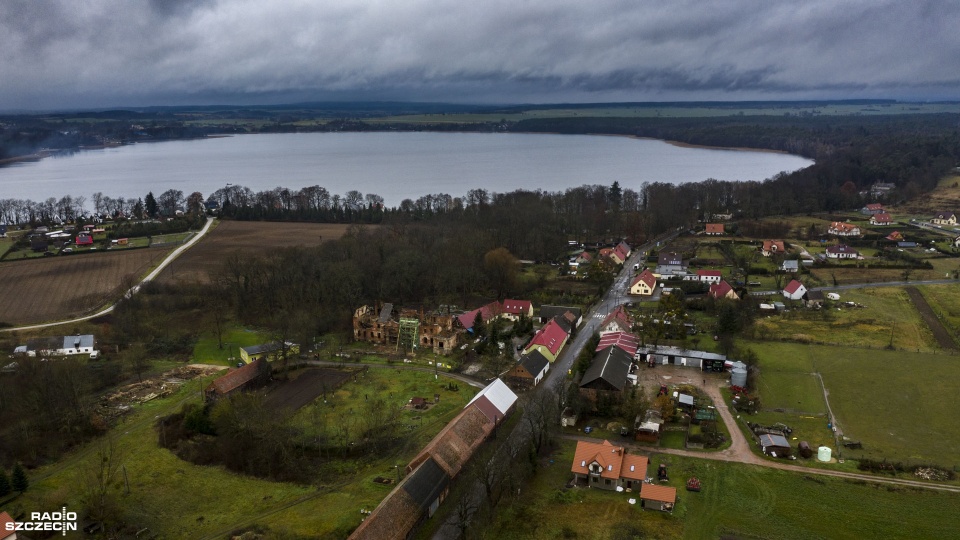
[
  {"x": 248, "y": 238},
  {"x": 55, "y": 288}
]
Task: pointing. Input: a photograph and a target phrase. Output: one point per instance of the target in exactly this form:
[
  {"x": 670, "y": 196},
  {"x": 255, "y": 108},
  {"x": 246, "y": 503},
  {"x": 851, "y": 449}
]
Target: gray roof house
[{"x": 608, "y": 371}]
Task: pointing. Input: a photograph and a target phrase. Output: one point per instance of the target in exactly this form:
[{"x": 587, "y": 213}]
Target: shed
[
  {"x": 775, "y": 445},
  {"x": 654, "y": 497}
]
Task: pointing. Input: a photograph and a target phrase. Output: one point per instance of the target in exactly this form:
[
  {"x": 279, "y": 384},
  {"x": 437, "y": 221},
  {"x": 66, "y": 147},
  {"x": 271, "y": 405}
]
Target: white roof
[{"x": 498, "y": 394}]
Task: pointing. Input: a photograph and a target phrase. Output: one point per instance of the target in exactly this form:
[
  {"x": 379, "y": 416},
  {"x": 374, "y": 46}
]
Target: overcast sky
[{"x": 105, "y": 53}]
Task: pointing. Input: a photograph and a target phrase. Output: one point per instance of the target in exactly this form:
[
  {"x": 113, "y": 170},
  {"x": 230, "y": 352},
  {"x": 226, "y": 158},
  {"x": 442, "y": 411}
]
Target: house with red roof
[
  {"x": 872, "y": 209},
  {"x": 722, "y": 290},
  {"x": 882, "y": 218},
  {"x": 617, "y": 321},
  {"x": 626, "y": 342},
  {"x": 709, "y": 276},
  {"x": 605, "y": 466},
  {"x": 7, "y": 524},
  {"x": 487, "y": 313},
  {"x": 657, "y": 497},
  {"x": 623, "y": 251},
  {"x": 772, "y": 247},
  {"x": 611, "y": 255},
  {"x": 84, "y": 239},
  {"x": 842, "y": 228},
  {"x": 514, "y": 309},
  {"x": 714, "y": 229},
  {"x": 895, "y": 236},
  {"x": 548, "y": 340},
  {"x": 794, "y": 290},
  {"x": 644, "y": 284}
]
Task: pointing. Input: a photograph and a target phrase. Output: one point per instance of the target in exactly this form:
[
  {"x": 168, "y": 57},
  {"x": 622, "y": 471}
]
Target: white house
[
  {"x": 794, "y": 290},
  {"x": 709, "y": 276},
  {"x": 842, "y": 228},
  {"x": 842, "y": 251}
]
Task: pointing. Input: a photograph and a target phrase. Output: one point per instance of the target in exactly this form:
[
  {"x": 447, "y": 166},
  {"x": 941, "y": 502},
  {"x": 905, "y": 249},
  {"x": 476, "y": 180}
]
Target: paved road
[{"x": 133, "y": 290}]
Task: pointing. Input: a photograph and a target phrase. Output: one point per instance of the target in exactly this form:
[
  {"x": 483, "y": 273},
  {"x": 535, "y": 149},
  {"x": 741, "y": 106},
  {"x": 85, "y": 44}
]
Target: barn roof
[
  {"x": 238, "y": 377},
  {"x": 551, "y": 336},
  {"x": 653, "y": 492},
  {"x": 793, "y": 286},
  {"x": 499, "y": 395},
  {"x": 534, "y": 362},
  {"x": 610, "y": 365},
  {"x": 627, "y": 342},
  {"x": 426, "y": 483}
]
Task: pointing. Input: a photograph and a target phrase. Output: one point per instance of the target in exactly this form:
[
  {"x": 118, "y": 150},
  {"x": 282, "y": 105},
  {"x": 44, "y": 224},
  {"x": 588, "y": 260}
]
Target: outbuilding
[{"x": 654, "y": 497}]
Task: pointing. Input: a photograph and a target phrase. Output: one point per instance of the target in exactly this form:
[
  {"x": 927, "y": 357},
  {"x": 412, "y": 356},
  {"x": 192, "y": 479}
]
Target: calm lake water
[{"x": 393, "y": 165}]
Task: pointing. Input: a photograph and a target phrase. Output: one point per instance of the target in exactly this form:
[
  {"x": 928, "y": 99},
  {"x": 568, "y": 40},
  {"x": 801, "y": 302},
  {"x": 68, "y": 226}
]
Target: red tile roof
[
  {"x": 608, "y": 456},
  {"x": 551, "y": 336},
  {"x": 4, "y": 519},
  {"x": 634, "y": 467},
  {"x": 647, "y": 277},
  {"x": 882, "y": 217},
  {"x": 487, "y": 312},
  {"x": 773, "y": 245},
  {"x": 874, "y": 206},
  {"x": 709, "y": 273},
  {"x": 714, "y": 228},
  {"x": 517, "y": 307},
  {"x": 653, "y": 492},
  {"x": 620, "y": 315},
  {"x": 720, "y": 290},
  {"x": 842, "y": 226}
]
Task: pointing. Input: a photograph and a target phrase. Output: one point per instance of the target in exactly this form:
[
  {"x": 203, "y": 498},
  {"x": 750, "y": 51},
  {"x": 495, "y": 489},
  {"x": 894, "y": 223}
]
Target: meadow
[
  {"x": 737, "y": 501},
  {"x": 901, "y": 405},
  {"x": 178, "y": 499}
]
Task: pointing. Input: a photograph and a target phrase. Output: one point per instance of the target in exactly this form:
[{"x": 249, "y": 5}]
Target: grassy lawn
[
  {"x": 737, "y": 500},
  {"x": 170, "y": 238},
  {"x": 207, "y": 352},
  {"x": 901, "y": 405},
  {"x": 888, "y": 310},
  {"x": 791, "y": 391},
  {"x": 177, "y": 499},
  {"x": 945, "y": 301}
]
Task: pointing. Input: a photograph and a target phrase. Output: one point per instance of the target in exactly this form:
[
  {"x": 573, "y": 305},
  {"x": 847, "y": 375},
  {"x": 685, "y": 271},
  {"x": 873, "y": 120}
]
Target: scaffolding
[{"x": 409, "y": 333}]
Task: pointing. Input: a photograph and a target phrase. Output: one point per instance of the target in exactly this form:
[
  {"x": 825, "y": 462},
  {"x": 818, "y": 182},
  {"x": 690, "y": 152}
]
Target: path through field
[{"x": 926, "y": 313}]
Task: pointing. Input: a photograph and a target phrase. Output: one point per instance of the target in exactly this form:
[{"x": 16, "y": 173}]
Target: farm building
[
  {"x": 794, "y": 290},
  {"x": 842, "y": 228},
  {"x": 644, "y": 284},
  {"x": 549, "y": 312},
  {"x": 775, "y": 445},
  {"x": 813, "y": 299},
  {"x": 252, "y": 375},
  {"x": 606, "y": 376},
  {"x": 605, "y": 466},
  {"x": 568, "y": 418},
  {"x": 772, "y": 247},
  {"x": 713, "y": 229},
  {"x": 791, "y": 266},
  {"x": 654, "y": 497},
  {"x": 548, "y": 340},
  {"x": 617, "y": 321},
  {"x": 267, "y": 351},
  {"x": 664, "y": 355},
  {"x": 722, "y": 290},
  {"x": 530, "y": 370},
  {"x": 57, "y": 346}
]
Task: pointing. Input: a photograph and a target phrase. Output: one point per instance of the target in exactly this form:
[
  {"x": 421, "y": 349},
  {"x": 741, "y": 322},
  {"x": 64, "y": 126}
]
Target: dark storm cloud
[{"x": 62, "y": 53}]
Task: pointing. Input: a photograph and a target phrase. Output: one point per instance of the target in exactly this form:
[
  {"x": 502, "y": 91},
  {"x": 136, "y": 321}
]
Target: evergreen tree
[
  {"x": 150, "y": 202},
  {"x": 4, "y": 484},
  {"x": 19, "y": 480}
]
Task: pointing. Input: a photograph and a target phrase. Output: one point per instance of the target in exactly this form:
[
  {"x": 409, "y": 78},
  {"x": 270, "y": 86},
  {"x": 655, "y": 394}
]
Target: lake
[{"x": 393, "y": 165}]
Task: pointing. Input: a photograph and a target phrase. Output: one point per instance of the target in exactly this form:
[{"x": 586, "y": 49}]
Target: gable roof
[
  {"x": 238, "y": 377},
  {"x": 883, "y": 217},
  {"x": 634, "y": 467},
  {"x": 771, "y": 439},
  {"x": 620, "y": 315},
  {"x": 4, "y": 520},
  {"x": 551, "y": 336},
  {"x": 262, "y": 348},
  {"x": 499, "y": 395},
  {"x": 622, "y": 250},
  {"x": 646, "y": 277},
  {"x": 85, "y": 340},
  {"x": 709, "y": 273},
  {"x": 549, "y": 312},
  {"x": 842, "y": 226},
  {"x": 534, "y": 362},
  {"x": 793, "y": 286},
  {"x": 653, "y": 492},
  {"x": 714, "y": 228},
  {"x": 608, "y": 456},
  {"x": 791, "y": 264},
  {"x": 669, "y": 257},
  {"x": 842, "y": 249},
  {"x": 629, "y": 343},
  {"x": 456, "y": 442},
  {"x": 774, "y": 245},
  {"x": 720, "y": 290},
  {"x": 426, "y": 484},
  {"x": 486, "y": 312},
  {"x": 611, "y": 366},
  {"x": 874, "y": 206},
  {"x": 944, "y": 215},
  {"x": 895, "y": 236},
  {"x": 517, "y": 307}
]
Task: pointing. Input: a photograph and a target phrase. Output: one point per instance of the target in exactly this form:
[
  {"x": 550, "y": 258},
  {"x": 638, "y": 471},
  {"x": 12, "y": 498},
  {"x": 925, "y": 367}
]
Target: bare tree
[{"x": 99, "y": 479}]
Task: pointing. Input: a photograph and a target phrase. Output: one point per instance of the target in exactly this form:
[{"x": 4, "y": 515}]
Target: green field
[
  {"x": 737, "y": 500},
  {"x": 888, "y": 311},
  {"x": 901, "y": 405},
  {"x": 177, "y": 499},
  {"x": 945, "y": 302}
]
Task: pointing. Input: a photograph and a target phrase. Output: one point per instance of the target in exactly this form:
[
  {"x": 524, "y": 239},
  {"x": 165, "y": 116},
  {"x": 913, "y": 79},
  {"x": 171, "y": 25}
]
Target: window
[
  {"x": 594, "y": 479},
  {"x": 608, "y": 481}
]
